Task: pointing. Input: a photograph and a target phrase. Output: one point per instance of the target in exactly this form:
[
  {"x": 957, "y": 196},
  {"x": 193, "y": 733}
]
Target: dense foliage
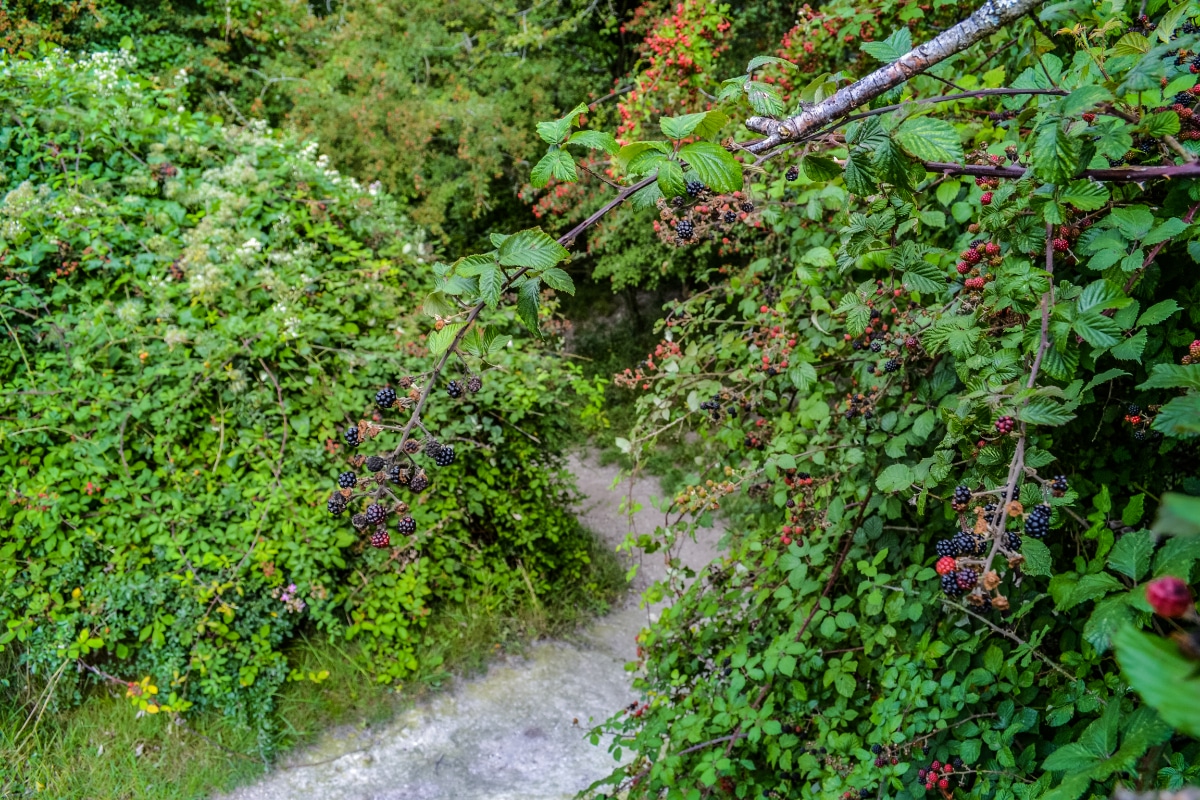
[{"x": 193, "y": 312}]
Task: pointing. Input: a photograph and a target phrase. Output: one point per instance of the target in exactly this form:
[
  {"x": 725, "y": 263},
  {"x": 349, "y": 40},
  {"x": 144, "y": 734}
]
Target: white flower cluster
[
  {"x": 129, "y": 312},
  {"x": 16, "y": 203},
  {"x": 175, "y": 336}
]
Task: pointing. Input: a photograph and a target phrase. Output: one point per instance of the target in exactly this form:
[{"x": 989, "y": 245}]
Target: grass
[{"x": 100, "y": 748}]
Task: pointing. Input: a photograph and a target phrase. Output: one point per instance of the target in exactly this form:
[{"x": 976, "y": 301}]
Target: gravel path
[{"x": 517, "y": 732}]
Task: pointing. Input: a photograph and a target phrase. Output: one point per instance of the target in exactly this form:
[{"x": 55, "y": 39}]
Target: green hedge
[{"x": 193, "y": 314}]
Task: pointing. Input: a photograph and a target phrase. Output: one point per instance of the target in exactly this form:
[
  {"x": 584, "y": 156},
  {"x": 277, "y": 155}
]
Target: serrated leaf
[
  {"x": 1133, "y": 222},
  {"x": 1131, "y": 348},
  {"x": 1104, "y": 377},
  {"x": 554, "y": 132},
  {"x": 1082, "y": 99},
  {"x": 720, "y": 171},
  {"x": 1097, "y": 329},
  {"x": 890, "y": 49},
  {"x": 1132, "y": 44},
  {"x": 1037, "y": 557},
  {"x": 558, "y": 280},
  {"x": 1179, "y": 514},
  {"x": 1134, "y": 510},
  {"x": 1109, "y": 614},
  {"x": 1164, "y": 123},
  {"x": 1085, "y": 195},
  {"x": 1055, "y": 154},
  {"x": 555, "y": 164},
  {"x": 820, "y": 168},
  {"x": 670, "y": 179},
  {"x": 1099, "y": 295},
  {"x": 924, "y": 277},
  {"x": 682, "y": 126},
  {"x": 1091, "y": 587},
  {"x": 531, "y": 248},
  {"x": 930, "y": 139},
  {"x": 895, "y": 478},
  {"x": 595, "y": 140},
  {"x": 1168, "y": 230},
  {"x": 860, "y": 178},
  {"x": 1169, "y": 21},
  {"x": 1044, "y": 411},
  {"x": 439, "y": 341},
  {"x": 528, "y": 299},
  {"x": 1173, "y": 376},
  {"x": 1131, "y": 554},
  {"x": 1164, "y": 678},
  {"x": 491, "y": 285},
  {"x": 1180, "y": 418},
  {"x": 629, "y": 152},
  {"x": 1159, "y": 312},
  {"x": 764, "y": 98},
  {"x": 762, "y": 61}
]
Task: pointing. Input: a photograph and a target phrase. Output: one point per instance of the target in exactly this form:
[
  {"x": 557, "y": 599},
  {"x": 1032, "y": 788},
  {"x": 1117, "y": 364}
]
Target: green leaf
[
  {"x": 930, "y": 139},
  {"x": 764, "y": 98},
  {"x": 554, "y": 132},
  {"x": 439, "y": 341},
  {"x": 1169, "y": 21},
  {"x": 1130, "y": 349},
  {"x": 702, "y": 124},
  {"x": 890, "y": 49},
  {"x": 1132, "y": 44},
  {"x": 595, "y": 140},
  {"x": 1104, "y": 377},
  {"x": 627, "y": 154},
  {"x": 491, "y": 284},
  {"x": 895, "y": 478},
  {"x": 1055, "y": 154},
  {"x": 1163, "y": 677},
  {"x": 1109, "y": 614},
  {"x": 558, "y": 280},
  {"x": 1180, "y": 418},
  {"x": 860, "y": 179},
  {"x": 531, "y": 248},
  {"x": 1168, "y": 230},
  {"x": 1160, "y": 312},
  {"x": 528, "y": 299},
  {"x": 1037, "y": 557},
  {"x": 1179, "y": 514},
  {"x": 1085, "y": 195},
  {"x": 1101, "y": 294},
  {"x": 820, "y": 168},
  {"x": 1131, "y": 555},
  {"x": 1097, "y": 329},
  {"x": 1082, "y": 99},
  {"x": 1172, "y": 376},
  {"x": 762, "y": 61},
  {"x": 924, "y": 277},
  {"x": 555, "y": 164},
  {"x": 1044, "y": 411},
  {"x": 1164, "y": 123},
  {"x": 670, "y": 179},
  {"x": 720, "y": 171},
  {"x": 1133, "y": 222},
  {"x": 1135, "y": 509}
]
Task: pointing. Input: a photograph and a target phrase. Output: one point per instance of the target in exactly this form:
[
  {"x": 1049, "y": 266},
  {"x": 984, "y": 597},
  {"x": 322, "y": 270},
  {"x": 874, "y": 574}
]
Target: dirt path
[{"x": 519, "y": 731}]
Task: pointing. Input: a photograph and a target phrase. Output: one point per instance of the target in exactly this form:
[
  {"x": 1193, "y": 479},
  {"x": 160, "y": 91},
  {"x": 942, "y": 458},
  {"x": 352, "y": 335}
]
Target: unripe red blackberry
[
  {"x": 1005, "y": 424},
  {"x": 1169, "y": 597},
  {"x": 385, "y": 397},
  {"x": 474, "y": 384},
  {"x": 380, "y": 538},
  {"x": 986, "y": 198},
  {"x": 375, "y": 514},
  {"x": 1061, "y": 245},
  {"x": 347, "y": 480},
  {"x": 945, "y": 565},
  {"x": 1194, "y": 349},
  {"x": 992, "y": 249},
  {"x": 971, "y": 256},
  {"x": 911, "y": 343},
  {"x": 407, "y": 526}
]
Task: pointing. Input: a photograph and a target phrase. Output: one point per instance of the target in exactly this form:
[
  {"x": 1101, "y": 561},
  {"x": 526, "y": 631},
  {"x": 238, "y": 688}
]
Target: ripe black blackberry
[
  {"x": 876, "y": 749},
  {"x": 730, "y": 217},
  {"x": 945, "y": 547},
  {"x": 966, "y": 579},
  {"x": 407, "y": 526},
  {"x": 359, "y": 521},
  {"x": 1012, "y": 540},
  {"x": 989, "y": 513},
  {"x": 1134, "y": 410},
  {"x": 347, "y": 480},
  {"x": 432, "y": 446},
  {"x": 336, "y": 504},
  {"x": 454, "y": 389},
  {"x": 375, "y": 514},
  {"x": 411, "y": 446},
  {"x": 747, "y": 206},
  {"x": 965, "y": 544},
  {"x": 1059, "y": 485},
  {"x": 375, "y": 464},
  {"x": 474, "y": 384},
  {"x": 962, "y": 496},
  {"x": 876, "y": 346},
  {"x": 1037, "y": 524},
  {"x": 352, "y": 437},
  {"x": 694, "y": 188},
  {"x": 444, "y": 457},
  {"x": 950, "y": 584},
  {"x": 394, "y": 473},
  {"x": 385, "y": 397},
  {"x": 677, "y": 201},
  {"x": 380, "y": 538},
  {"x": 891, "y": 366},
  {"x": 419, "y": 482},
  {"x": 685, "y": 229},
  {"x": 792, "y": 174},
  {"x": 1139, "y": 435}
]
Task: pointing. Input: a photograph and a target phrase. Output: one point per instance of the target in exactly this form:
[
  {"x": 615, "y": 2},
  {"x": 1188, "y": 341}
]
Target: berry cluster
[
  {"x": 945, "y": 777},
  {"x": 962, "y": 497},
  {"x": 700, "y": 216},
  {"x": 1058, "y": 486},
  {"x": 861, "y": 404},
  {"x": 1005, "y": 424},
  {"x": 972, "y": 260},
  {"x": 1141, "y": 420}
]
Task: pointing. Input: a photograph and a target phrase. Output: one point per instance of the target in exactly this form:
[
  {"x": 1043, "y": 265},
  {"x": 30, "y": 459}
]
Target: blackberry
[
  {"x": 876, "y": 749},
  {"x": 965, "y": 544},
  {"x": 730, "y": 217},
  {"x": 685, "y": 229},
  {"x": 891, "y": 366},
  {"x": 375, "y": 464},
  {"x": 747, "y": 206},
  {"x": 454, "y": 389},
  {"x": 876, "y": 346},
  {"x": 1012, "y": 540},
  {"x": 419, "y": 482},
  {"x": 394, "y": 473},
  {"x": 474, "y": 384},
  {"x": 407, "y": 526},
  {"x": 792, "y": 174},
  {"x": 1037, "y": 524},
  {"x": 1059, "y": 485},
  {"x": 950, "y": 584},
  {"x": 385, "y": 397},
  {"x": 359, "y": 521},
  {"x": 432, "y": 446},
  {"x": 380, "y": 538},
  {"x": 1139, "y": 435},
  {"x": 347, "y": 480},
  {"x": 966, "y": 579},
  {"x": 1134, "y": 410},
  {"x": 444, "y": 457},
  {"x": 958, "y": 763},
  {"x": 962, "y": 496},
  {"x": 1006, "y": 424},
  {"x": 376, "y": 514},
  {"x": 411, "y": 446},
  {"x": 694, "y": 188},
  {"x": 352, "y": 438},
  {"x": 336, "y": 504},
  {"x": 945, "y": 547}
]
